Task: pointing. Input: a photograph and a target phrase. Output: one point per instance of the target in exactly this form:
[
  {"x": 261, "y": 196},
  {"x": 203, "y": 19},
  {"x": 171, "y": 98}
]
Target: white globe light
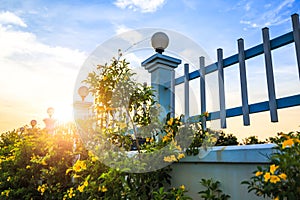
[
  {"x": 83, "y": 91},
  {"x": 159, "y": 41}
]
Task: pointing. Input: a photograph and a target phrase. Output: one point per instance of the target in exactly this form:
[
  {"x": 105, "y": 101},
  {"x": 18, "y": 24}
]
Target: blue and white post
[{"x": 162, "y": 72}]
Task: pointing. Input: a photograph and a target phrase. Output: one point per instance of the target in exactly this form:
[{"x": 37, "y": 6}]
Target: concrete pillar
[{"x": 162, "y": 72}]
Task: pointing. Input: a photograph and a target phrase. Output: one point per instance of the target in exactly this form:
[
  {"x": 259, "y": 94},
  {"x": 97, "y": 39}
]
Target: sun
[{"x": 63, "y": 113}]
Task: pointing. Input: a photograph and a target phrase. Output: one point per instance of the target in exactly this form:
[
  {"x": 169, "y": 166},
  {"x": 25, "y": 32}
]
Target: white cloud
[
  {"x": 122, "y": 29},
  {"x": 248, "y": 6},
  {"x": 144, "y": 6},
  {"x": 245, "y": 22},
  {"x": 8, "y": 18},
  {"x": 274, "y": 15}
]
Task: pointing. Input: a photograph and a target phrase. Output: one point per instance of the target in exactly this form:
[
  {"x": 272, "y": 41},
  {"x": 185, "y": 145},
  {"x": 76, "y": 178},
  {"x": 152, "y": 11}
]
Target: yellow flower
[
  {"x": 149, "y": 140},
  {"x": 206, "y": 114},
  {"x": 5, "y": 193},
  {"x": 43, "y": 162},
  {"x": 182, "y": 187},
  {"x": 273, "y": 168},
  {"x": 79, "y": 166},
  {"x": 94, "y": 159},
  {"x": 170, "y": 158},
  {"x": 274, "y": 179},
  {"x": 283, "y": 176},
  {"x": 181, "y": 155},
  {"x": 288, "y": 142},
  {"x": 178, "y": 147},
  {"x": 214, "y": 139},
  {"x": 276, "y": 198},
  {"x": 104, "y": 78},
  {"x": 103, "y": 188},
  {"x": 165, "y": 138},
  {"x": 259, "y": 173},
  {"x": 42, "y": 188},
  {"x": 76, "y": 176},
  {"x": 170, "y": 134},
  {"x": 267, "y": 176},
  {"x": 70, "y": 193},
  {"x": 167, "y": 159},
  {"x": 86, "y": 183},
  {"x": 296, "y": 140},
  {"x": 177, "y": 121},
  {"x": 170, "y": 122},
  {"x": 80, "y": 188}
]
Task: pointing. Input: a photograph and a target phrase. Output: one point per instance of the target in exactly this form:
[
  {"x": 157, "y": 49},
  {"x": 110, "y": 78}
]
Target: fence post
[
  {"x": 270, "y": 75},
  {"x": 221, "y": 88},
  {"x": 162, "y": 72},
  {"x": 243, "y": 77},
  {"x": 202, "y": 89},
  {"x": 186, "y": 93},
  {"x": 296, "y": 34}
]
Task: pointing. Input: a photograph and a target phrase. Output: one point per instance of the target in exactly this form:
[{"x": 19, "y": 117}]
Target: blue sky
[{"x": 44, "y": 43}]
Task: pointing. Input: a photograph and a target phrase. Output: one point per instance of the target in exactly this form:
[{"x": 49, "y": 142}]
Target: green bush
[
  {"x": 281, "y": 179},
  {"x": 252, "y": 140},
  {"x": 212, "y": 192},
  {"x": 38, "y": 165}
]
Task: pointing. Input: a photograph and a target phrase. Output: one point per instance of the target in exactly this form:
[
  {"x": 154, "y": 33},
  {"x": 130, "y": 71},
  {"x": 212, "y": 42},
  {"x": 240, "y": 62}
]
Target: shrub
[
  {"x": 252, "y": 140},
  {"x": 212, "y": 192},
  {"x": 281, "y": 179},
  {"x": 38, "y": 165}
]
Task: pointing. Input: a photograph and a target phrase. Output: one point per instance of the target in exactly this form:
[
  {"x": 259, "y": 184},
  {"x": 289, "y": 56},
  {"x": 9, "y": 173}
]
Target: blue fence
[{"x": 246, "y": 109}]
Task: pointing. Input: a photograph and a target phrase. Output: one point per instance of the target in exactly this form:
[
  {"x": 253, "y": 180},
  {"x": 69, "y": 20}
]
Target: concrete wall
[{"x": 230, "y": 165}]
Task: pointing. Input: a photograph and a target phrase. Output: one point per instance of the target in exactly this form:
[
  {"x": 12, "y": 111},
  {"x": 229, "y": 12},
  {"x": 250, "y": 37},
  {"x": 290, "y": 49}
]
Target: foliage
[
  {"x": 33, "y": 163},
  {"x": 282, "y": 178},
  {"x": 226, "y": 140},
  {"x": 38, "y": 165},
  {"x": 208, "y": 138},
  {"x": 171, "y": 194},
  {"x": 201, "y": 139},
  {"x": 212, "y": 192},
  {"x": 252, "y": 140}
]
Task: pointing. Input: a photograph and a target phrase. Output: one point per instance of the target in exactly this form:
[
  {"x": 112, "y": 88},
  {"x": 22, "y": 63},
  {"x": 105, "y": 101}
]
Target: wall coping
[{"x": 256, "y": 153}]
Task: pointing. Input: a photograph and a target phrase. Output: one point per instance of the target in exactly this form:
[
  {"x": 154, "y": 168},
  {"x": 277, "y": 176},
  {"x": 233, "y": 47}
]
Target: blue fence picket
[
  {"x": 202, "y": 89},
  {"x": 296, "y": 34},
  {"x": 243, "y": 80},
  {"x": 221, "y": 88},
  {"x": 270, "y": 75},
  {"x": 186, "y": 92}
]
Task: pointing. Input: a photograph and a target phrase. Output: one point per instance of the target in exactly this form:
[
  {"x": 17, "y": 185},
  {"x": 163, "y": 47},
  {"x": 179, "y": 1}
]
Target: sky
[{"x": 44, "y": 45}]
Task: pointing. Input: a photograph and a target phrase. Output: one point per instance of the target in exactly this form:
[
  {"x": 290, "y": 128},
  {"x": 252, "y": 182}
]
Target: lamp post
[
  {"x": 81, "y": 108},
  {"x": 33, "y": 123},
  {"x": 162, "y": 72},
  {"x": 50, "y": 122},
  {"x": 83, "y": 91}
]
